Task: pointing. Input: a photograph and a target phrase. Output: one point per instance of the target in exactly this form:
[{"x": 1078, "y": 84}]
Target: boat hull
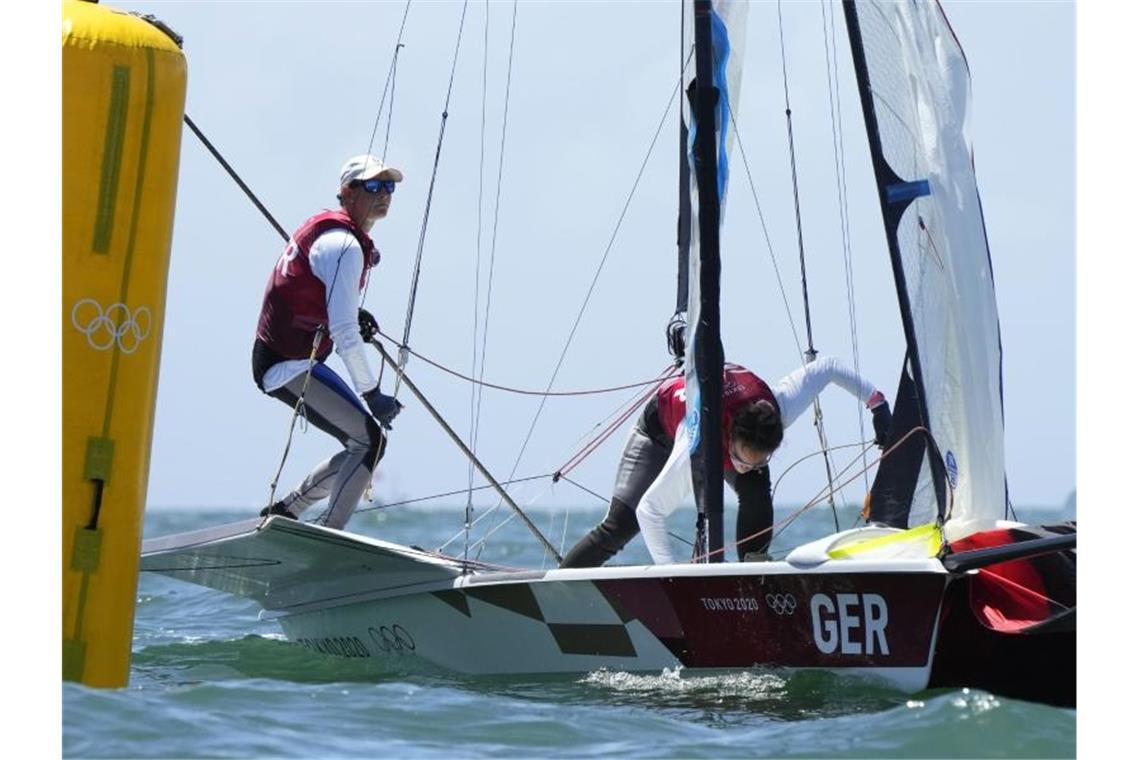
[
  {"x": 874, "y": 624},
  {"x": 353, "y": 596}
]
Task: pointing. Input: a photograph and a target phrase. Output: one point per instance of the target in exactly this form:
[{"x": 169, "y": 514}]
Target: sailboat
[{"x": 937, "y": 589}]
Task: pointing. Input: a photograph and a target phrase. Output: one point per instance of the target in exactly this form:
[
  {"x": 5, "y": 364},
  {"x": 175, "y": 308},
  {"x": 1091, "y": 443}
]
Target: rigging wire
[
  {"x": 628, "y": 407},
  {"x": 234, "y": 176},
  {"x": 578, "y": 485},
  {"x": 389, "y": 80},
  {"x": 419, "y": 499},
  {"x": 838, "y": 152},
  {"x": 403, "y": 358},
  {"x": 795, "y": 185},
  {"x": 476, "y": 390},
  {"x": 403, "y": 355},
  {"x": 608, "y": 418},
  {"x": 391, "y": 105},
  {"x": 810, "y": 354},
  {"x": 597, "y": 274},
  {"x": 767, "y": 238},
  {"x": 478, "y": 403},
  {"x": 482, "y": 542},
  {"x": 598, "y": 440}
]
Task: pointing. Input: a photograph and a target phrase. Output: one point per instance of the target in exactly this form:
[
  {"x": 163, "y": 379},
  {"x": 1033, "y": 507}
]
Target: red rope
[{"x": 598, "y": 440}]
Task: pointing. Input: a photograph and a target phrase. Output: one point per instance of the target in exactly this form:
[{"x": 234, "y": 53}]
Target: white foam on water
[{"x": 671, "y": 681}]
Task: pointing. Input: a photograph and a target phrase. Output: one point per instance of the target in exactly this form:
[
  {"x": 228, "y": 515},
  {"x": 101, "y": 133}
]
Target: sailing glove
[
  {"x": 368, "y": 325},
  {"x": 384, "y": 408},
  {"x": 881, "y": 420}
]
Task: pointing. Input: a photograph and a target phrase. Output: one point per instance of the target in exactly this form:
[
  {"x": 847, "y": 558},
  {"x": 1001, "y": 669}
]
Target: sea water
[{"x": 209, "y": 679}]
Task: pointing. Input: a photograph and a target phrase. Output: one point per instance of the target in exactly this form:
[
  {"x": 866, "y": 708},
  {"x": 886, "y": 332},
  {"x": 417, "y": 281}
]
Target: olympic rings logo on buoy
[{"x": 115, "y": 326}]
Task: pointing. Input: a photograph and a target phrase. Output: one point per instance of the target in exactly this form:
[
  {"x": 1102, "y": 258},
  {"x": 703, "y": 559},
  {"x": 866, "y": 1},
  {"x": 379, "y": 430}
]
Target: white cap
[{"x": 367, "y": 167}]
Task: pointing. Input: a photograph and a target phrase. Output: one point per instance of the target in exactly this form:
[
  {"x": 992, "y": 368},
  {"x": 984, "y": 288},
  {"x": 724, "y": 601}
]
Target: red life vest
[
  {"x": 294, "y": 302},
  {"x": 741, "y": 388}
]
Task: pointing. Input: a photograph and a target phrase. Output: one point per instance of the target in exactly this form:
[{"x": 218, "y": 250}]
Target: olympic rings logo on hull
[
  {"x": 117, "y": 325},
  {"x": 392, "y": 639},
  {"x": 781, "y": 604}
]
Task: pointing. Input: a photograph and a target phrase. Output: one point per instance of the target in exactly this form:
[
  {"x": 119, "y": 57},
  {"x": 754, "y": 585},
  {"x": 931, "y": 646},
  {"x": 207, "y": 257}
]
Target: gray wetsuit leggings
[{"x": 331, "y": 406}]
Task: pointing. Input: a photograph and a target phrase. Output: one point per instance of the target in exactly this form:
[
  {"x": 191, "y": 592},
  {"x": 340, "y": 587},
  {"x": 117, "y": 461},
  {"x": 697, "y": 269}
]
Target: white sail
[{"x": 920, "y": 86}]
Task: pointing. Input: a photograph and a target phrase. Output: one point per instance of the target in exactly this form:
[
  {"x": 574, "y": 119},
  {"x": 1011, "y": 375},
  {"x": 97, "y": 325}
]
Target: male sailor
[
  {"x": 654, "y": 474},
  {"x": 311, "y": 305}
]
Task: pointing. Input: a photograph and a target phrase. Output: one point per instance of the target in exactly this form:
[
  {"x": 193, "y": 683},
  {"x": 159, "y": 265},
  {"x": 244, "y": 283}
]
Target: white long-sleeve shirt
[
  {"x": 337, "y": 261},
  {"x": 674, "y": 484}
]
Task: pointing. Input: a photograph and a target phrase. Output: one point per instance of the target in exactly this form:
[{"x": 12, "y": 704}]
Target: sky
[{"x": 584, "y": 103}]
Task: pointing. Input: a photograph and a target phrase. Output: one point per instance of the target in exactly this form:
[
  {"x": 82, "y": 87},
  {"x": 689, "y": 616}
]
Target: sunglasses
[
  {"x": 377, "y": 185},
  {"x": 740, "y": 464}
]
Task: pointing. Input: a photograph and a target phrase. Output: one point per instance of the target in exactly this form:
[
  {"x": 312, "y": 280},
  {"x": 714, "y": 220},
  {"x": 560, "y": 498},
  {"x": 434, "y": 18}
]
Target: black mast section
[
  {"x": 708, "y": 474},
  {"x": 893, "y": 210}
]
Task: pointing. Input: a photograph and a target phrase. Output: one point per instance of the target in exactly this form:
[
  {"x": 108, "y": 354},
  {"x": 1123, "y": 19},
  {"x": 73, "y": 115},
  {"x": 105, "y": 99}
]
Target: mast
[{"x": 707, "y": 350}]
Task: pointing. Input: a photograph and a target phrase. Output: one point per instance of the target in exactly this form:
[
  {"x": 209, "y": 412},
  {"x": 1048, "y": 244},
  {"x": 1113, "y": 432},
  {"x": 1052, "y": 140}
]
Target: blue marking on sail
[
  {"x": 727, "y": 21},
  {"x": 722, "y": 50},
  {"x": 693, "y": 421},
  {"x": 907, "y": 191}
]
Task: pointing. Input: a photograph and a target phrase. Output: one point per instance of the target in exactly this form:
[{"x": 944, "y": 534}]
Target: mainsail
[
  {"x": 717, "y": 30},
  {"x": 914, "y": 84}
]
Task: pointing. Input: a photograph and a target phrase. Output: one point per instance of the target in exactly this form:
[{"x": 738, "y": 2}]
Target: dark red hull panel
[{"x": 849, "y": 620}]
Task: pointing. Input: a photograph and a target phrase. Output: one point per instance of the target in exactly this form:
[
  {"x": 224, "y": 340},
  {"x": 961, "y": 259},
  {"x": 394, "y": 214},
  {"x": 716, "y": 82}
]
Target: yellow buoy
[{"x": 124, "y": 88}]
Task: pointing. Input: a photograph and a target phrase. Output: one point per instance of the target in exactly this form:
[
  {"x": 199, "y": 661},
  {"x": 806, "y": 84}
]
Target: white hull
[{"x": 353, "y": 596}]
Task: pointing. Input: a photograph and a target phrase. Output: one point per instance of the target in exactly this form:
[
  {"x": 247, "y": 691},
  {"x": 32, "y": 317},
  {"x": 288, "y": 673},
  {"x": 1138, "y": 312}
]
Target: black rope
[{"x": 245, "y": 188}]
